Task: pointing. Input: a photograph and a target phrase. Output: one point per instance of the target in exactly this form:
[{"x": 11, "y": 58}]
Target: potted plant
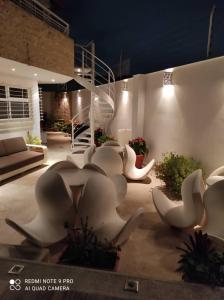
[
  {"x": 173, "y": 169},
  {"x": 85, "y": 250},
  {"x": 101, "y": 137},
  {"x": 201, "y": 262},
  {"x": 139, "y": 146}
]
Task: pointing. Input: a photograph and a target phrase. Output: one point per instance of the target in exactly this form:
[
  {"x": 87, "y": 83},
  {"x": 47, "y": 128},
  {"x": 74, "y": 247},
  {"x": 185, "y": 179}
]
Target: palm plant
[{"x": 200, "y": 261}]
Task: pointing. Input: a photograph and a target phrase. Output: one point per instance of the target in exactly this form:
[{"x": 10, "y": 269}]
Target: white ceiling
[{"x": 11, "y": 67}]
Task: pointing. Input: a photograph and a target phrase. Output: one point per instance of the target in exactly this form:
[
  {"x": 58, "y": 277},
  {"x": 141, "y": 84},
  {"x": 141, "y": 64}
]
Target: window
[{"x": 14, "y": 103}]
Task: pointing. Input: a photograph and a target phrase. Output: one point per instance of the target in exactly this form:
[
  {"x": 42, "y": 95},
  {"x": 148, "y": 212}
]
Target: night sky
[{"x": 150, "y": 35}]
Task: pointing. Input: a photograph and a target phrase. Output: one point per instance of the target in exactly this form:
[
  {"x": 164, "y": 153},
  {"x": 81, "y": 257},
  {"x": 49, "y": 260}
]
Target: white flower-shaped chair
[
  {"x": 214, "y": 205},
  {"x": 215, "y": 176},
  {"x": 186, "y": 213},
  {"x": 111, "y": 162},
  {"x": 130, "y": 170},
  {"x": 58, "y": 192},
  {"x": 100, "y": 210}
]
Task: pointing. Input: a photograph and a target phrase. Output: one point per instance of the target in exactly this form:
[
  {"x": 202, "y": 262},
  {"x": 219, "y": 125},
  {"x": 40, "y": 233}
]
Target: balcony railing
[{"x": 43, "y": 13}]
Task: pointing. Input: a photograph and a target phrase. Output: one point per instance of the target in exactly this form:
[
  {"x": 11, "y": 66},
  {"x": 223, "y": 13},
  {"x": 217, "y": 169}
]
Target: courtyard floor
[{"x": 150, "y": 251}]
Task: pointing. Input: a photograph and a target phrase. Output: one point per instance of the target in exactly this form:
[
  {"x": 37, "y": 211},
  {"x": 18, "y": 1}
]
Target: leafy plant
[
  {"x": 67, "y": 128},
  {"x": 33, "y": 140},
  {"x": 101, "y": 137},
  {"x": 200, "y": 262},
  {"x": 84, "y": 249},
  {"x": 173, "y": 169},
  {"x": 139, "y": 146}
]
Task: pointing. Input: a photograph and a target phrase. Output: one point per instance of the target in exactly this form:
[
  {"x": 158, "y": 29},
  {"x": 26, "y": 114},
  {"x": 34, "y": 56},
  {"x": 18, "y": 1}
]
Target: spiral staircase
[{"x": 95, "y": 76}]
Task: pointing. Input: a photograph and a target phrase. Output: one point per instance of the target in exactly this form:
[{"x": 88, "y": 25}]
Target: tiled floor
[{"x": 151, "y": 250}]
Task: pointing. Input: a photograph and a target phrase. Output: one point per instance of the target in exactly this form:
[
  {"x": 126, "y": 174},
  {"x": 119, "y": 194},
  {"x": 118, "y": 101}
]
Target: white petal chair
[
  {"x": 214, "y": 205},
  {"x": 55, "y": 208},
  {"x": 215, "y": 176},
  {"x": 111, "y": 143},
  {"x": 188, "y": 213},
  {"x": 58, "y": 193},
  {"x": 88, "y": 154},
  {"x": 130, "y": 171},
  {"x": 100, "y": 210},
  {"x": 108, "y": 160}
]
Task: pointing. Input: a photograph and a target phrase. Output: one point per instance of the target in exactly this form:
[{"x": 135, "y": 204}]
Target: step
[
  {"x": 81, "y": 144},
  {"x": 83, "y": 139},
  {"x": 80, "y": 70}
]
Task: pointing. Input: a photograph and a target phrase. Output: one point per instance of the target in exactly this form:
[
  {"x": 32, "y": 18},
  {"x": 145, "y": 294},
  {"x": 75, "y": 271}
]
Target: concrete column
[{"x": 138, "y": 111}]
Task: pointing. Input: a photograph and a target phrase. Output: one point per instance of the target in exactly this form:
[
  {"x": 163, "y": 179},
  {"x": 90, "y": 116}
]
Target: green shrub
[
  {"x": 33, "y": 140},
  {"x": 200, "y": 262},
  {"x": 173, "y": 169}
]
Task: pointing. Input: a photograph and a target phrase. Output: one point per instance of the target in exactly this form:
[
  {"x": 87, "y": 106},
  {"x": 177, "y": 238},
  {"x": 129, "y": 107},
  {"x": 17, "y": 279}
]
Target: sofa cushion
[
  {"x": 2, "y": 148},
  {"x": 18, "y": 160},
  {"x": 14, "y": 145}
]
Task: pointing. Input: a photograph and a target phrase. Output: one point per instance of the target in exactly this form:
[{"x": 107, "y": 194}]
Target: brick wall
[{"x": 26, "y": 39}]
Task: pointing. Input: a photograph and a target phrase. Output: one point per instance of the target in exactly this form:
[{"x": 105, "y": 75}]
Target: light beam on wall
[
  {"x": 65, "y": 98},
  {"x": 79, "y": 98},
  {"x": 125, "y": 93}
]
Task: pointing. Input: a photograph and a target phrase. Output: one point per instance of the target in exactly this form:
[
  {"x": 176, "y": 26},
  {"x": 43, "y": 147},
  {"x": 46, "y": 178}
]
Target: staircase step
[
  {"x": 80, "y": 70},
  {"x": 81, "y": 144}
]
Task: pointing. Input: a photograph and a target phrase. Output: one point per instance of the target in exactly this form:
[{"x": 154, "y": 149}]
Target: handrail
[
  {"x": 98, "y": 59},
  {"x": 42, "y": 12},
  {"x": 81, "y": 112}
]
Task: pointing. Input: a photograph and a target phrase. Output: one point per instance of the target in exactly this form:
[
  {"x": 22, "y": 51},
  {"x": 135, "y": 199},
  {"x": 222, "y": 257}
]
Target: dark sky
[{"x": 153, "y": 35}]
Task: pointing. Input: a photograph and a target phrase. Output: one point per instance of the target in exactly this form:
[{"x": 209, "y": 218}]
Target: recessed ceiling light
[
  {"x": 35, "y": 74},
  {"x": 125, "y": 80},
  {"x": 13, "y": 69},
  {"x": 79, "y": 91},
  {"x": 53, "y": 80}
]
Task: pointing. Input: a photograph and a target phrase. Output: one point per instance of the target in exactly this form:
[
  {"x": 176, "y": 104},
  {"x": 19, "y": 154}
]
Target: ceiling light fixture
[
  {"x": 53, "y": 80},
  {"x": 35, "y": 74},
  {"x": 13, "y": 69}
]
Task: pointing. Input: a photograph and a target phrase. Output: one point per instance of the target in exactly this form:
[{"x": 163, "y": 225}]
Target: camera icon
[{"x": 15, "y": 284}]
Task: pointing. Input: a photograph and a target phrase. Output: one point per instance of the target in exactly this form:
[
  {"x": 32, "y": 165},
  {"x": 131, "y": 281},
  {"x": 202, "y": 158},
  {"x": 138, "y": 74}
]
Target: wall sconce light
[
  {"x": 125, "y": 85},
  {"x": 65, "y": 98},
  {"x": 168, "y": 77}
]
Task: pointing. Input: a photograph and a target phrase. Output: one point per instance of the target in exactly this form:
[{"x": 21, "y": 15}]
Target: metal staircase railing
[
  {"x": 42, "y": 12},
  {"x": 93, "y": 74}
]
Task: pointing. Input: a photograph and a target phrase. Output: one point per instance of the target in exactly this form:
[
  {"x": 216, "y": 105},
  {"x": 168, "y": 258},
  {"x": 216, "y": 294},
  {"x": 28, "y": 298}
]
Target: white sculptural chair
[
  {"x": 88, "y": 154},
  {"x": 130, "y": 170},
  {"x": 186, "y": 213},
  {"x": 100, "y": 210},
  {"x": 55, "y": 208},
  {"x": 214, "y": 205},
  {"x": 215, "y": 176},
  {"x": 111, "y": 143},
  {"x": 108, "y": 160}
]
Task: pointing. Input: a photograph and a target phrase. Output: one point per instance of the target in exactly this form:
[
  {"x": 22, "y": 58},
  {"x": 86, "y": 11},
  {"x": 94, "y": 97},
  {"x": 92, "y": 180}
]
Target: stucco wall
[
  {"x": 26, "y": 39},
  {"x": 188, "y": 117}
]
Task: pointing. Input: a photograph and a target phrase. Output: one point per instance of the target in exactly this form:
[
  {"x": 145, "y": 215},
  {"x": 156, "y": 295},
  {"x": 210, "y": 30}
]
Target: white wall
[
  {"x": 20, "y": 128},
  {"x": 188, "y": 118}
]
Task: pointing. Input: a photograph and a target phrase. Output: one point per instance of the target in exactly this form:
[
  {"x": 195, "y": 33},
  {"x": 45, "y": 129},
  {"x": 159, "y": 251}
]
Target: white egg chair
[
  {"x": 215, "y": 176},
  {"x": 186, "y": 213},
  {"x": 88, "y": 154},
  {"x": 130, "y": 171},
  {"x": 99, "y": 209},
  {"x": 214, "y": 205},
  {"x": 55, "y": 209},
  {"x": 108, "y": 160}
]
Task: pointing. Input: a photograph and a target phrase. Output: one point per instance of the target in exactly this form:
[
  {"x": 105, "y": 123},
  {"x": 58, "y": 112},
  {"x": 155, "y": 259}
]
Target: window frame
[{"x": 8, "y": 100}]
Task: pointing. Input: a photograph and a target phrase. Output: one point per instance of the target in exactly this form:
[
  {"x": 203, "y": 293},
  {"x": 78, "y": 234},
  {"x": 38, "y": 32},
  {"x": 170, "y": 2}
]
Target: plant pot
[{"x": 139, "y": 161}]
